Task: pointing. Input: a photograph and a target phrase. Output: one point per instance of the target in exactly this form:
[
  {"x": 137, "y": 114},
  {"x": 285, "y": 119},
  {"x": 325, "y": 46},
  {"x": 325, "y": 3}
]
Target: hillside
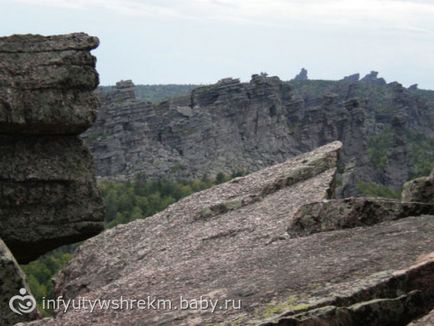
[{"x": 241, "y": 127}]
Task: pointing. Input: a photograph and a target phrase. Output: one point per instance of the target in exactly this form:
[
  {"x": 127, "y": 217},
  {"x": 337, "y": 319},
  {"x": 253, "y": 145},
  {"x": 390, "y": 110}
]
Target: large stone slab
[
  {"x": 12, "y": 280},
  {"x": 48, "y": 194},
  {"x": 46, "y": 84},
  {"x": 392, "y": 298},
  {"x": 352, "y": 212},
  {"x": 230, "y": 242}
]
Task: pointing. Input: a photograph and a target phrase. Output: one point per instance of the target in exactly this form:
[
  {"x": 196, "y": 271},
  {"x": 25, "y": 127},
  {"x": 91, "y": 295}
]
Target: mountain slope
[{"x": 387, "y": 130}]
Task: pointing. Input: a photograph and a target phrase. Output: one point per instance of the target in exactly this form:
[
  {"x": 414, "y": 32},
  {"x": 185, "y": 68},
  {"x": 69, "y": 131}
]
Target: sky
[{"x": 202, "y": 41}]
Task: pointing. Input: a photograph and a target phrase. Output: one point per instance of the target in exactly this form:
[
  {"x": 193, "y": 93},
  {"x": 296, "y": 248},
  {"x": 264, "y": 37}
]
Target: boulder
[
  {"x": 48, "y": 194},
  {"x": 46, "y": 84},
  {"x": 12, "y": 281},
  {"x": 350, "y": 213},
  {"x": 419, "y": 190}
]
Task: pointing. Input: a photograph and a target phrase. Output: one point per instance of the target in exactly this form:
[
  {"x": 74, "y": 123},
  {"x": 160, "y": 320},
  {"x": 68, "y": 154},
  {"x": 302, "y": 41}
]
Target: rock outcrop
[
  {"x": 48, "y": 194},
  {"x": 413, "y": 87},
  {"x": 372, "y": 77},
  {"x": 12, "y": 281},
  {"x": 354, "y": 78},
  {"x": 302, "y": 75},
  {"x": 419, "y": 190},
  {"x": 232, "y": 126},
  {"x": 227, "y": 127},
  {"x": 230, "y": 243},
  {"x": 209, "y": 254},
  {"x": 392, "y": 298},
  {"x": 352, "y": 212},
  {"x": 46, "y": 84}
]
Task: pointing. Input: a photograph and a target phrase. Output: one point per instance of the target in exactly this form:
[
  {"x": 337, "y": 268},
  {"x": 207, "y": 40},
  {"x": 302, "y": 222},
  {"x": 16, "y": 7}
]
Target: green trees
[
  {"x": 40, "y": 272},
  {"x": 421, "y": 154},
  {"x": 373, "y": 189},
  {"x": 379, "y": 146},
  {"x": 139, "y": 198}
]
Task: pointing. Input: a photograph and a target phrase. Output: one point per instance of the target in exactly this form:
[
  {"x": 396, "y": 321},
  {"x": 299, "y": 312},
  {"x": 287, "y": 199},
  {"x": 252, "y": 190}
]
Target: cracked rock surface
[{"x": 230, "y": 242}]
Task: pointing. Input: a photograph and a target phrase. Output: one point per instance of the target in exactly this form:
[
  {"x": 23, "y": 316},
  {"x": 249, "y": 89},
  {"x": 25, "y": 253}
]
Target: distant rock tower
[
  {"x": 302, "y": 75},
  {"x": 372, "y": 77}
]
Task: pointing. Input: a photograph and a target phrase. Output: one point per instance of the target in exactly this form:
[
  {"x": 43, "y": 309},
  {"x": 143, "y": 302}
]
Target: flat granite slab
[{"x": 230, "y": 243}]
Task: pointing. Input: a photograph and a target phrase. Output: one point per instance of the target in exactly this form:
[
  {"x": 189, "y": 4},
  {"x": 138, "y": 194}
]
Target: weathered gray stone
[
  {"x": 206, "y": 255},
  {"x": 352, "y": 212},
  {"x": 372, "y": 77},
  {"x": 48, "y": 194},
  {"x": 419, "y": 190},
  {"x": 46, "y": 84},
  {"x": 240, "y": 252},
  {"x": 37, "y": 43},
  {"x": 352, "y": 78},
  {"x": 392, "y": 298},
  {"x": 12, "y": 280},
  {"x": 238, "y": 127}
]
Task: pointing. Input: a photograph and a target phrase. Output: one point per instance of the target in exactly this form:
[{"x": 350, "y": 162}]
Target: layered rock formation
[
  {"x": 353, "y": 212},
  {"x": 46, "y": 84},
  {"x": 232, "y": 127},
  {"x": 230, "y": 242},
  {"x": 225, "y": 127},
  {"x": 48, "y": 194}
]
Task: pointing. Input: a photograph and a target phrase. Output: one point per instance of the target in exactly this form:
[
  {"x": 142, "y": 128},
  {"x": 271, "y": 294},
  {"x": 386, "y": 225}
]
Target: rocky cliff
[
  {"x": 230, "y": 242},
  {"x": 232, "y": 127},
  {"x": 48, "y": 193}
]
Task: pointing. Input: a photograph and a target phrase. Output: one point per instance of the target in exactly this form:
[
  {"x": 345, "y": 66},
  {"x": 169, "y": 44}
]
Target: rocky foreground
[
  {"x": 48, "y": 193},
  {"x": 242, "y": 241}
]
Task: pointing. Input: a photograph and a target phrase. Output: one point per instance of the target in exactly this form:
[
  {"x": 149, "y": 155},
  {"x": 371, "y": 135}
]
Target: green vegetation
[
  {"x": 378, "y": 148},
  {"x": 140, "y": 198},
  {"x": 421, "y": 154},
  {"x": 125, "y": 202},
  {"x": 272, "y": 309},
  {"x": 40, "y": 272},
  {"x": 373, "y": 189}
]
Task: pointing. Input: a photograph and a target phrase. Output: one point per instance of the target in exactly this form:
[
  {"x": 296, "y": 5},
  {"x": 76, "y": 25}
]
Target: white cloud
[{"x": 411, "y": 16}]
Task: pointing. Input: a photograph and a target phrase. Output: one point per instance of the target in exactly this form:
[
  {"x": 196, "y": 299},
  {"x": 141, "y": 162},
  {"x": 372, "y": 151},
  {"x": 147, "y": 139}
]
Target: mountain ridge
[{"x": 232, "y": 126}]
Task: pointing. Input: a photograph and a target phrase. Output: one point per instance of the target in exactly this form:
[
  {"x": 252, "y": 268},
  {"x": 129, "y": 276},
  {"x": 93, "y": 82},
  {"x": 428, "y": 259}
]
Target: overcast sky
[{"x": 202, "y": 41}]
